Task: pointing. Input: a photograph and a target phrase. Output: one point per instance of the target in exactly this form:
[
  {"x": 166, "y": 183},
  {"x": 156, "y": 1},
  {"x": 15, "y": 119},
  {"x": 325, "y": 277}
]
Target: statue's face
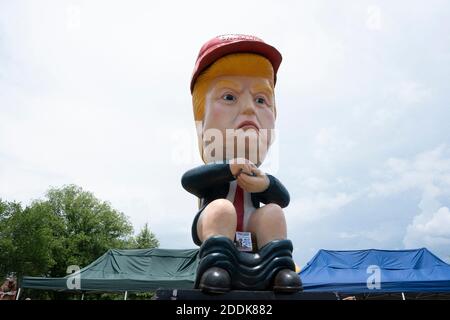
[{"x": 241, "y": 111}]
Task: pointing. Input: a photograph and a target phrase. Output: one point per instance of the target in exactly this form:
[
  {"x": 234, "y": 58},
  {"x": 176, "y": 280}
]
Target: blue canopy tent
[{"x": 376, "y": 271}]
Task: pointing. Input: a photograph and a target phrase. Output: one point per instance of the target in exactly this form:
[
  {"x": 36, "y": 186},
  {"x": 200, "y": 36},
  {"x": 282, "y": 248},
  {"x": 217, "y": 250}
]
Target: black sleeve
[
  {"x": 200, "y": 180},
  {"x": 275, "y": 193}
]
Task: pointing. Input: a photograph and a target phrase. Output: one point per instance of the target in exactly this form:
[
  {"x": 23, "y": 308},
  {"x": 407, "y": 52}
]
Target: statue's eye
[
  {"x": 260, "y": 100},
  {"x": 229, "y": 97}
]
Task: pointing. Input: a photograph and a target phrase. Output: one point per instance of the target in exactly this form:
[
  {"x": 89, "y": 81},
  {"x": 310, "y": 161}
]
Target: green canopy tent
[{"x": 136, "y": 270}]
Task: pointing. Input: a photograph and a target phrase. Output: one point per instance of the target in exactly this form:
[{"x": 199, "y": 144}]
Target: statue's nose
[{"x": 248, "y": 104}]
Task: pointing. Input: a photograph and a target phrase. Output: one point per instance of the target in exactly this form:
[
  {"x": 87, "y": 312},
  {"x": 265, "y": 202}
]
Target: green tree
[
  {"x": 69, "y": 227},
  {"x": 91, "y": 227},
  {"x": 7, "y": 246},
  {"x": 146, "y": 239},
  {"x": 27, "y": 239}
]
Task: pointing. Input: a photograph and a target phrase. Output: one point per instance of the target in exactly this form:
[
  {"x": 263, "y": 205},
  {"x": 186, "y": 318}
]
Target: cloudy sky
[{"x": 96, "y": 93}]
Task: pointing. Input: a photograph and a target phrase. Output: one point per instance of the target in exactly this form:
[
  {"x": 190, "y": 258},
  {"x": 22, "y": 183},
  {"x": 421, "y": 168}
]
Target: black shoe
[
  {"x": 215, "y": 280},
  {"x": 287, "y": 281}
]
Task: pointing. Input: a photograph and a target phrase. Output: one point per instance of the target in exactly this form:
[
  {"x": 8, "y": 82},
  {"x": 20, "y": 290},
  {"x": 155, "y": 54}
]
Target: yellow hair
[{"x": 237, "y": 64}]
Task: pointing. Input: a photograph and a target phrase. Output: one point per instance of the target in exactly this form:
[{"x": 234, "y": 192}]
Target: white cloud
[
  {"x": 411, "y": 92},
  {"x": 378, "y": 235},
  {"x": 429, "y": 170},
  {"x": 330, "y": 143},
  {"x": 431, "y": 230},
  {"x": 437, "y": 226},
  {"x": 315, "y": 207},
  {"x": 427, "y": 173},
  {"x": 398, "y": 99}
]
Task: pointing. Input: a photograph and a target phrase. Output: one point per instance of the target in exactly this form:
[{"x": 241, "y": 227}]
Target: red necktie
[{"x": 239, "y": 206}]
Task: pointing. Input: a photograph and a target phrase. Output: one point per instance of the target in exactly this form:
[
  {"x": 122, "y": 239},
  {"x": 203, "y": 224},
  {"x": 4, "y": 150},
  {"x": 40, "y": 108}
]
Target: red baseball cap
[{"x": 222, "y": 45}]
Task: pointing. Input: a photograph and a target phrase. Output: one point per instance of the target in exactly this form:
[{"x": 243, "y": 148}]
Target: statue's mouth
[{"x": 248, "y": 124}]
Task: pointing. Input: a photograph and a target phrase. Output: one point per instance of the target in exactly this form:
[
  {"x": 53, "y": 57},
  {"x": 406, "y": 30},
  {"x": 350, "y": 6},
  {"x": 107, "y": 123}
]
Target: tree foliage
[
  {"x": 69, "y": 227},
  {"x": 146, "y": 239}
]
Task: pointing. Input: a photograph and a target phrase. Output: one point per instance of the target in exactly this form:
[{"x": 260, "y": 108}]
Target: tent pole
[
  {"x": 125, "y": 297},
  {"x": 18, "y": 293},
  {"x": 403, "y": 296}
]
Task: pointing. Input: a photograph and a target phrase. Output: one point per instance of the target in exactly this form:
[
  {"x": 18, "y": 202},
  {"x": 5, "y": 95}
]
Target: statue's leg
[
  {"x": 268, "y": 224},
  {"x": 217, "y": 219}
]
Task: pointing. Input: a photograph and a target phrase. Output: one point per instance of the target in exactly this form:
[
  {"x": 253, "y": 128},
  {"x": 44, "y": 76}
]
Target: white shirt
[{"x": 248, "y": 205}]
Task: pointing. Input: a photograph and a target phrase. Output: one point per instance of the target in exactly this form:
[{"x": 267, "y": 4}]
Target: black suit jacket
[{"x": 212, "y": 181}]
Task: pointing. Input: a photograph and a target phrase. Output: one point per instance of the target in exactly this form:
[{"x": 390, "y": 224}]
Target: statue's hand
[
  {"x": 259, "y": 182},
  {"x": 241, "y": 165}
]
